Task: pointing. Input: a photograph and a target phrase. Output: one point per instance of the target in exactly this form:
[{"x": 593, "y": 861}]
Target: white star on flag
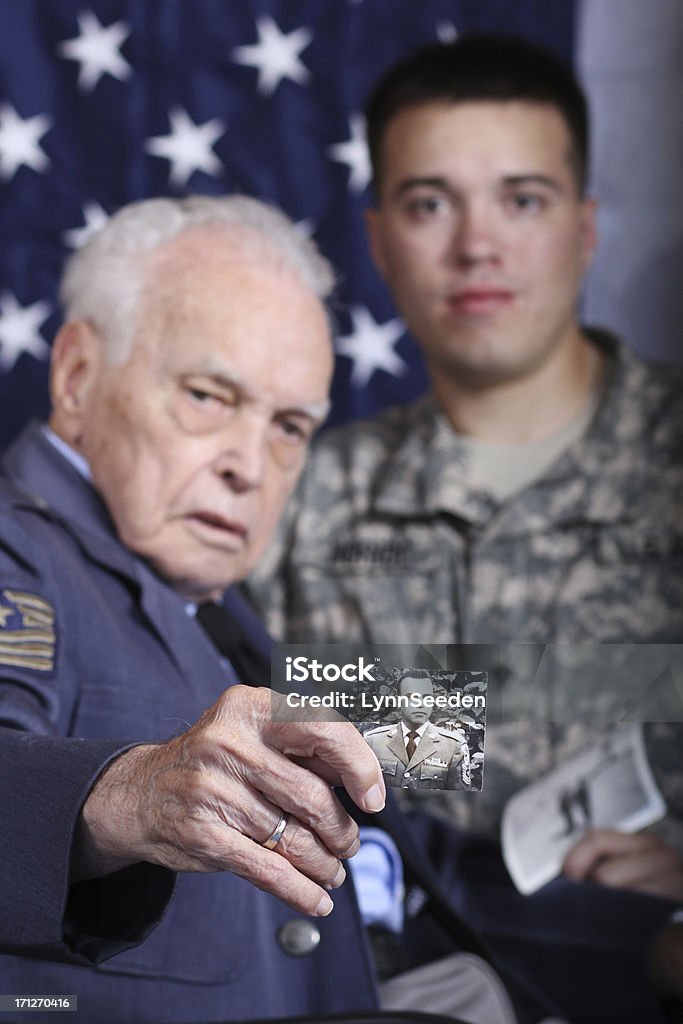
[
  {"x": 188, "y": 147},
  {"x": 19, "y": 330},
  {"x": 97, "y": 50},
  {"x": 371, "y": 346},
  {"x": 355, "y": 154},
  {"x": 446, "y": 32},
  {"x": 276, "y": 55},
  {"x": 19, "y": 142},
  {"x": 95, "y": 218}
]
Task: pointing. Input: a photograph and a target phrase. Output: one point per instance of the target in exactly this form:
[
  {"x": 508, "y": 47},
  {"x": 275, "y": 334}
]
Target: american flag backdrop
[{"x": 107, "y": 101}]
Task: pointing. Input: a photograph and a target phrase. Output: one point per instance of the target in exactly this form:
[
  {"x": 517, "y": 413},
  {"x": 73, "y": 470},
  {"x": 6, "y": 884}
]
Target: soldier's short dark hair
[
  {"x": 413, "y": 673},
  {"x": 480, "y": 67}
]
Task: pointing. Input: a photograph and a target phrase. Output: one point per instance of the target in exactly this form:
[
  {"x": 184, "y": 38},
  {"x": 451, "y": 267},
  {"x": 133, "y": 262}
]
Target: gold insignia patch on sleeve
[{"x": 27, "y": 633}]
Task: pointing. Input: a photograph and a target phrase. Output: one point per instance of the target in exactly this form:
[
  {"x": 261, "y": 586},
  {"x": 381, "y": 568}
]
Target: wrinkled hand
[
  {"x": 641, "y": 862},
  {"x": 205, "y": 800}
]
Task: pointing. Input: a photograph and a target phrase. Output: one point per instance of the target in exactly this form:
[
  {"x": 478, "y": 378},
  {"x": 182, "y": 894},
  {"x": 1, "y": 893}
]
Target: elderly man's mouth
[{"x": 215, "y": 525}]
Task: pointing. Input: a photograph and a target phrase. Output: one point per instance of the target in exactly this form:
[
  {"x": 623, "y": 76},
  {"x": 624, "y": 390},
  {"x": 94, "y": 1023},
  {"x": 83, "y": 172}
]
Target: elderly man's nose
[{"x": 241, "y": 461}]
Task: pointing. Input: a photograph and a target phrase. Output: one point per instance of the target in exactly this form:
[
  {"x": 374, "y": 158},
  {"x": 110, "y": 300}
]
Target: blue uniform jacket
[{"x": 105, "y": 656}]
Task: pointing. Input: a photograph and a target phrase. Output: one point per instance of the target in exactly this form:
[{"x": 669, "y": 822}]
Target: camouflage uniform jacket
[{"x": 386, "y": 543}]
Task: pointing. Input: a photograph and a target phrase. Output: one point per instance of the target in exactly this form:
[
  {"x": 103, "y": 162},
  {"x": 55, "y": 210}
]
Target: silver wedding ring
[{"x": 276, "y": 835}]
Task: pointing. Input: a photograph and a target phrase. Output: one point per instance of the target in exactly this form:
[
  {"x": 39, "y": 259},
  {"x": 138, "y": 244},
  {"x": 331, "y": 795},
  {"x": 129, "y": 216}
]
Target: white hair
[{"x": 104, "y": 282}]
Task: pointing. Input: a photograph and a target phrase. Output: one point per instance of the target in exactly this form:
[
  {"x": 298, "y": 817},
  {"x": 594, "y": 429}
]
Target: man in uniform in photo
[{"x": 414, "y": 753}]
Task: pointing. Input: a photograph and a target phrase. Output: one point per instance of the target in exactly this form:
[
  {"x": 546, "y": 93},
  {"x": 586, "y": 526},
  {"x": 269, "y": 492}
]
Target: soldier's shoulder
[
  {"x": 634, "y": 446},
  {"x": 380, "y": 730},
  {"x": 667, "y": 376},
  {"x": 456, "y": 738},
  {"x": 652, "y": 397}
]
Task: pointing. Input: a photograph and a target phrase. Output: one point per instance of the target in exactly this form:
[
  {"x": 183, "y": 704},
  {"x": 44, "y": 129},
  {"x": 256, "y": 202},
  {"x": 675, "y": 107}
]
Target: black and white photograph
[
  {"x": 609, "y": 785},
  {"x": 431, "y": 728}
]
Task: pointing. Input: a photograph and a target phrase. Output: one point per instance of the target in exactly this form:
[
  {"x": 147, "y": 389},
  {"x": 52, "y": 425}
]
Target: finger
[
  {"x": 197, "y": 838},
  {"x": 242, "y": 764},
  {"x": 657, "y": 872},
  {"x": 249, "y": 811},
  {"x": 304, "y": 795},
  {"x": 273, "y": 873},
  {"x": 337, "y": 744},
  {"x": 341, "y": 748},
  {"x": 305, "y": 851},
  {"x": 319, "y": 768},
  {"x": 641, "y": 862},
  {"x": 598, "y": 844}
]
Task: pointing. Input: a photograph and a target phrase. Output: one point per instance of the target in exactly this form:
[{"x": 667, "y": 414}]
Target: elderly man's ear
[{"x": 77, "y": 358}]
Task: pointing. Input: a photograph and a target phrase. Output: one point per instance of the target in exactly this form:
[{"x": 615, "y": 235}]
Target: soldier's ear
[{"x": 77, "y": 359}]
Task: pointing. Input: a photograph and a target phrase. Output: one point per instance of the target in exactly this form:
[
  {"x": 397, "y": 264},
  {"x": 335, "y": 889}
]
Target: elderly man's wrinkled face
[{"x": 196, "y": 441}]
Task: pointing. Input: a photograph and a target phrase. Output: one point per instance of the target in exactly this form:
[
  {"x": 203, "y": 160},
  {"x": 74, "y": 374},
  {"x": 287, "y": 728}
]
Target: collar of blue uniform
[{"x": 44, "y": 469}]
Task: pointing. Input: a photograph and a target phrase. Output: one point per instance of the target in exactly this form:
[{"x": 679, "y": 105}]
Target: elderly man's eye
[
  {"x": 200, "y": 396},
  {"x": 203, "y": 399},
  {"x": 293, "y": 430}
]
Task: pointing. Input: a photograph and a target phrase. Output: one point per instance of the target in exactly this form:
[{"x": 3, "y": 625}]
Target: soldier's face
[
  {"x": 481, "y": 234},
  {"x": 417, "y": 714},
  {"x": 196, "y": 441}
]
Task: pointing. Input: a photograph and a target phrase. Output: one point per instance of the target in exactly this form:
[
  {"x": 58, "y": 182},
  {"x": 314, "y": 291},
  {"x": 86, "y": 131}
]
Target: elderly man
[
  {"x": 162, "y": 861},
  {"x": 183, "y": 402},
  {"x": 413, "y": 753}
]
